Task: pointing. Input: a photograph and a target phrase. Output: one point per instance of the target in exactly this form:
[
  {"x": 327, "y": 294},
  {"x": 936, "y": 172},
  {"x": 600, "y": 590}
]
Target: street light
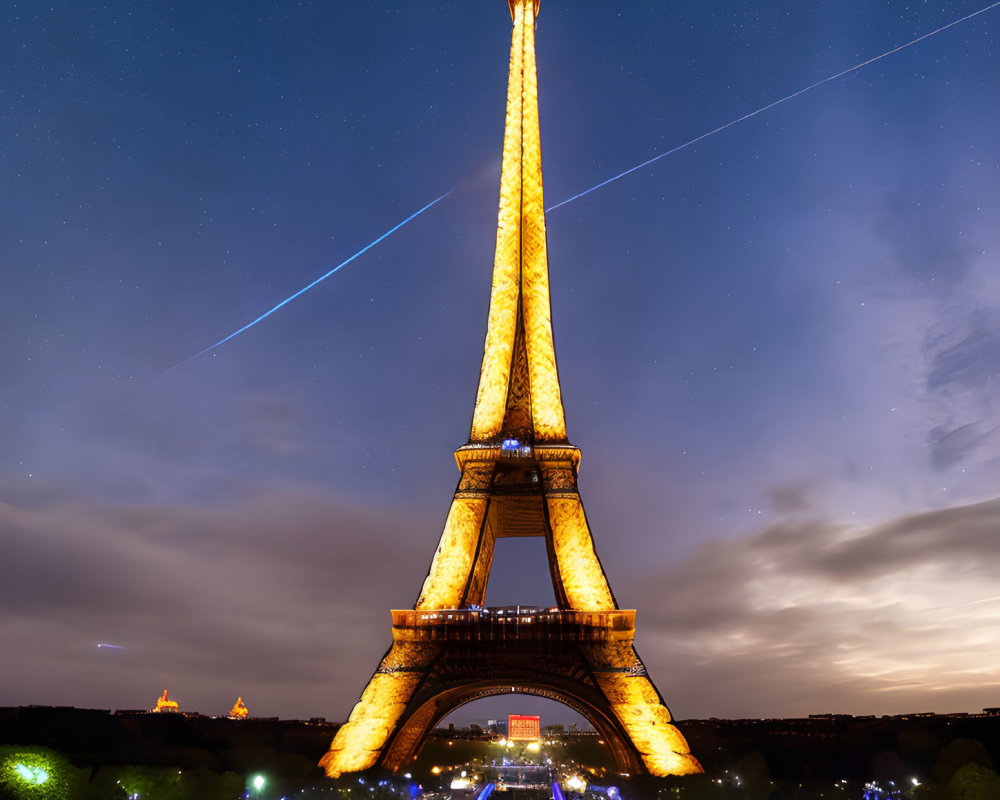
[{"x": 257, "y": 783}]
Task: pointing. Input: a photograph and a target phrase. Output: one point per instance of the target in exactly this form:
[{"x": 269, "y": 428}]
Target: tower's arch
[{"x": 412, "y": 732}]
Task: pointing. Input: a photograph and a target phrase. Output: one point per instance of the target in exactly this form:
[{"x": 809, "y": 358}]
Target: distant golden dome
[{"x": 164, "y": 703}]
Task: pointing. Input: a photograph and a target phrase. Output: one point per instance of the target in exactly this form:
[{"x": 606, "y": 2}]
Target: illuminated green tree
[{"x": 37, "y": 773}]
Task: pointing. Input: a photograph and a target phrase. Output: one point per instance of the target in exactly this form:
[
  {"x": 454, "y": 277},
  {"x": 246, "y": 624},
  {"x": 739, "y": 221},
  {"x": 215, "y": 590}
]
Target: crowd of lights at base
[
  {"x": 36, "y": 772},
  {"x": 875, "y": 791}
]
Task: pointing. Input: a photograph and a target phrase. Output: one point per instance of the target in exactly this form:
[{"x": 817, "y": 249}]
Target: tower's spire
[{"x": 519, "y": 393}]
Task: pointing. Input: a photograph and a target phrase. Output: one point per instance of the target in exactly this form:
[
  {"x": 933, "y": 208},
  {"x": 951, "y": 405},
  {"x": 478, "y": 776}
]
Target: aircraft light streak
[
  {"x": 762, "y": 109},
  {"x": 319, "y": 280}
]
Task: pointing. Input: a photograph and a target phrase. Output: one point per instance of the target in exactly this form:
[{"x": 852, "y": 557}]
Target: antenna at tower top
[{"x": 513, "y": 3}]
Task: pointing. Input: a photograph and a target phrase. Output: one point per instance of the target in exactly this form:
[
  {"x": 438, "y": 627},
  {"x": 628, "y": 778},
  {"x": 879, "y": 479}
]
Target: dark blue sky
[{"x": 779, "y": 348}]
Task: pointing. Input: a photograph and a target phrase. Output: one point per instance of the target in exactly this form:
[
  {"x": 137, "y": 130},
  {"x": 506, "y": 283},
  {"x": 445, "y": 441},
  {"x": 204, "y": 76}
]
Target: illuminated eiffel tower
[{"x": 518, "y": 478}]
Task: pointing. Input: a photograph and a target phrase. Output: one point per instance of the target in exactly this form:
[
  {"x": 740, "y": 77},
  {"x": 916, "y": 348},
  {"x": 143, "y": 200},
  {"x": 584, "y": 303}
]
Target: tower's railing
[{"x": 516, "y": 622}]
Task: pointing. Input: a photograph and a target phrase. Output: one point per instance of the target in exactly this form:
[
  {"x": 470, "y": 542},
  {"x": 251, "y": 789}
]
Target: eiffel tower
[{"x": 518, "y": 478}]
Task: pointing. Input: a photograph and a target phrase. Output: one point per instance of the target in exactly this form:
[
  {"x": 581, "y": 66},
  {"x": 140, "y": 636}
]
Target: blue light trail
[
  {"x": 110, "y": 646},
  {"x": 319, "y": 280},
  {"x": 486, "y": 792},
  {"x": 769, "y": 106}
]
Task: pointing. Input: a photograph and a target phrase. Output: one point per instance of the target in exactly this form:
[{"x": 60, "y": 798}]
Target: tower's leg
[
  {"x": 641, "y": 711},
  {"x": 361, "y": 741},
  {"x": 457, "y": 555},
  {"x": 647, "y": 721},
  {"x": 581, "y": 576}
]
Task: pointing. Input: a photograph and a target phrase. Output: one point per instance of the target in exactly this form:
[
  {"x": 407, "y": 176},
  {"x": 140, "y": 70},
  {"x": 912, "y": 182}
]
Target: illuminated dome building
[
  {"x": 165, "y": 705},
  {"x": 239, "y": 711}
]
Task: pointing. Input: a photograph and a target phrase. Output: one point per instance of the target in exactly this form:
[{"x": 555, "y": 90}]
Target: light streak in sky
[
  {"x": 602, "y": 184},
  {"x": 110, "y": 646},
  {"x": 319, "y": 280},
  {"x": 769, "y": 106}
]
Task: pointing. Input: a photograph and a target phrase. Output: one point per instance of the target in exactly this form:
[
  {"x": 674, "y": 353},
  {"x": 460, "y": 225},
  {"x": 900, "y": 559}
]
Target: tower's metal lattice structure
[{"x": 518, "y": 478}]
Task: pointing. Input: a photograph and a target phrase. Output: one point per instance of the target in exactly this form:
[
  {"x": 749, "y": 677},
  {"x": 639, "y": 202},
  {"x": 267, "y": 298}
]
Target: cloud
[
  {"x": 925, "y": 238},
  {"x": 283, "y": 599},
  {"x": 790, "y": 498},
  {"x": 972, "y": 362},
  {"x": 812, "y": 617},
  {"x": 950, "y": 447},
  {"x": 275, "y": 420}
]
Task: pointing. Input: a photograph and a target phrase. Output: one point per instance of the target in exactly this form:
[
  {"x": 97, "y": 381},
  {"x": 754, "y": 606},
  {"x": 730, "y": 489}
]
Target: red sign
[{"x": 520, "y": 727}]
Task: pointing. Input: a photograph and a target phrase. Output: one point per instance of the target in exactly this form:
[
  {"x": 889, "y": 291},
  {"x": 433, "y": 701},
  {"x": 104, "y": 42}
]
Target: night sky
[{"x": 779, "y": 348}]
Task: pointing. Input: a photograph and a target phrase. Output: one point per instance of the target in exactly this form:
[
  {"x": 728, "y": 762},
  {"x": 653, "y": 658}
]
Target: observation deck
[
  {"x": 515, "y": 449},
  {"x": 520, "y": 623}
]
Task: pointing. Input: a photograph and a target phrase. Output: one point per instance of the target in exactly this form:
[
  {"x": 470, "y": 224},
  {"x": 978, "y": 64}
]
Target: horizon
[{"x": 546, "y": 718}]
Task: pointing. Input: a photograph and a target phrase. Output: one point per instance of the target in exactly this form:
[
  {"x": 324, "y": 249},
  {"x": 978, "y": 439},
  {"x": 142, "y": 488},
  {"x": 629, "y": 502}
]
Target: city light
[
  {"x": 576, "y": 783},
  {"x": 461, "y": 783}
]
